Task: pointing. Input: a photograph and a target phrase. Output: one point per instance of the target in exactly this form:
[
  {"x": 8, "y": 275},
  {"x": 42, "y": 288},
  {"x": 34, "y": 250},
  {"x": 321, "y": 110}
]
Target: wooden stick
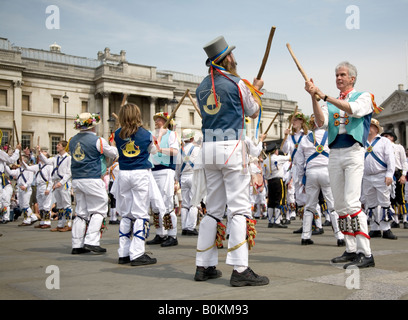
[
  {"x": 300, "y": 67},
  {"x": 15, "y": 130},
  {"x": 290, "y": 126},
  {"x": 266, "y": 55},
  {"x": 175, "y": 109},
  {"x": 195, "y": 105},
  {"x": 124, "y": 99},
  {"x": 273, "y": 120}
]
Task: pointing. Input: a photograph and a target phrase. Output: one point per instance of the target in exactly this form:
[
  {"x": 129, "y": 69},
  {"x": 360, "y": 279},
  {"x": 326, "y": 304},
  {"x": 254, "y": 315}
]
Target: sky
[{"x": 170, "y": 35}]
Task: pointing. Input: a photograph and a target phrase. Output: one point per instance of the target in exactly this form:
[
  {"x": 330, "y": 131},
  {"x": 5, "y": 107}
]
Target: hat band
[{"x": 214, "y": 60}]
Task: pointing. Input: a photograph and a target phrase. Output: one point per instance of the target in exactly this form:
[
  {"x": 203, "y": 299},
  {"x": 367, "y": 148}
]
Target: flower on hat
[{"x": 86, "y": 121}]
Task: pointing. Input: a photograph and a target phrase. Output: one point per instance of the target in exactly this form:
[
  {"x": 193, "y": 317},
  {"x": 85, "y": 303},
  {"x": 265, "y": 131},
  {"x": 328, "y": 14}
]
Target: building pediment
[{"x": 396, "y": 105}]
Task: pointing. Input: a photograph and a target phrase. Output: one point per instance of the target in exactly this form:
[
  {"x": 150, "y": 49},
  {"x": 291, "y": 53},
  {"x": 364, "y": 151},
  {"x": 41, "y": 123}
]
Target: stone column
[
  {"x": 397, "y": 132},
  {"x": 105, "y": 115},
  {"x": 17, "y": 110},
  {"x": 152, "y": 111}
]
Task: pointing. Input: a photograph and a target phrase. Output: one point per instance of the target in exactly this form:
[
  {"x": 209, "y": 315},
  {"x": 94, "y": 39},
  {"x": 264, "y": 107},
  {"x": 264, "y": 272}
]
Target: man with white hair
[
  {"x": 347, "y": 119},
  {"x": 184, "y": 175},
  {"x": 88, "y": 166}
]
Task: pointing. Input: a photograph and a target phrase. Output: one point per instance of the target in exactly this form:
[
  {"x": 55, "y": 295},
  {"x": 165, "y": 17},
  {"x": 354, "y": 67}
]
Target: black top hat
[
  {"x": 217, "y": 50},
  {"x": 389, "y": 133},
  {"x": 271, "y": 147}
]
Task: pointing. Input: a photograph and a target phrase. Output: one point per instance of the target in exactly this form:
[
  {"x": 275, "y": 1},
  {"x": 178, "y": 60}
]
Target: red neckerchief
[{"x": 343, "y": 95}]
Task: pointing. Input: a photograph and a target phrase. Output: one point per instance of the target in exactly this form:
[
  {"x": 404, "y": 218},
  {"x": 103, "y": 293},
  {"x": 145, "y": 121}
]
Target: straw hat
[
  {"x": 86, "y": 121},
  {"x": 376, "y": 123}
]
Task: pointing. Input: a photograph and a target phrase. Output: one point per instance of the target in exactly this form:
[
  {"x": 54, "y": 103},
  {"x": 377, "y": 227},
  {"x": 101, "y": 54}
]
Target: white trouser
[
  {"x": 188, "y": 212},
  {"x": 133, "y": 201},
  {"x": 227, "y": 185},
  {"x": 258, "y": 200},
  {"x": 346, "y": 168},
  {"x": 165, "y": 183},
  {"x": 62, "y": 196},
  {"x": 317, "y": 178},
  {"x": 24, "y": 204},
  {"x": 5, "y": 198},
  {"x": 91, "y": 208}
]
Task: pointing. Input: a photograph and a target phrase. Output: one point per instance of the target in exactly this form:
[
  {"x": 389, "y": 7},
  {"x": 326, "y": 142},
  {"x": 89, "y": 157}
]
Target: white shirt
[
  {"x": 63, "y": 162},
  {"x": 383, "y": 150},
  {"x": 188, "y": 169},
  {"x": 307, "y": 149},
  {"x": 400, "y": 158},
  {"x": 46, "y": 171},
  {"x": 5, "y": 158},
  {"x": 273, "y": 166}
]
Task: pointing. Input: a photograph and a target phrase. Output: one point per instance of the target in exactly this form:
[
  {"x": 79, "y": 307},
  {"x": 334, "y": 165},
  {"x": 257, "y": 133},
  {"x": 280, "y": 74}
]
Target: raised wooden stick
[
  {"x": 175, "y": 109},
  {"x": 195, "y": 105},
  {"x": 273, "y": 120},
  {"x": 290, "y": 126},
  {"x": 266, "y": 55},
  {"x": 300, "y": 67}
]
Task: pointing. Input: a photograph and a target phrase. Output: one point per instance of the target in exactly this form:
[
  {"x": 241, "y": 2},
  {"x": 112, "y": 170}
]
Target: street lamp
[
  {"x": 280, "y": 113},
  {"x": 173, "y": 103},
  {"x": 65, "y": 99},
  {"x": 111, "y": 123}
]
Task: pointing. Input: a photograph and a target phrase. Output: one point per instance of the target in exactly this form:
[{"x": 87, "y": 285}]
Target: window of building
[
  {"x": 55, "y": 139},
  {"x": 5, "y": 137},
  {"x": 56, "y": 105},
  {"x": 275, "y": 129},
  {"x": 192, "y": 117},
  {"x": 25, "y": 102},
  {"x": 3, "y": 98},
  {"x": 84, "y": 106},
  {"x": 26, "y": 140}
]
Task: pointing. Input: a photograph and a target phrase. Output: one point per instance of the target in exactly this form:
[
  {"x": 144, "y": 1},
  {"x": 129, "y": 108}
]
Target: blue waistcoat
[
  {"x": 133, "y": 151},
  {"x": 357, "y": 128},
  {"x": 225, "y": 122},
  {"x": 86, "y": 162}
]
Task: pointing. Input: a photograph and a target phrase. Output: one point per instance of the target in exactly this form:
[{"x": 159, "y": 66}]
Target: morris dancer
[
  {"x": 132, "y": 188},
  {"x": 224, "y": 101},
  {"x": 43, "y": 173},
  {"x": 24, "y": 180},
  {"x": 6, "y": 189},
  {"x": 184, "y": 174},
  {"x": 311, "y": 165},
  {"x": 164, "y": 174},
  {"x": 379, "y": 167},
  {"x": 348, "y": 121},
  {"x": 61, "y": 178},
  {"x": 88, "y": 165},
  {"x": 398, "y": 200}
]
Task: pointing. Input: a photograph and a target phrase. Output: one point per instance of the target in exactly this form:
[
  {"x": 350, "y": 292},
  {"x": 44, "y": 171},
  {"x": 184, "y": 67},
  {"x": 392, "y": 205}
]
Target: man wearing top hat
[
  {"x": 88, "y": 153},
  {"x": 401, "y": 168},
  {"x": 224, "y": 100}
]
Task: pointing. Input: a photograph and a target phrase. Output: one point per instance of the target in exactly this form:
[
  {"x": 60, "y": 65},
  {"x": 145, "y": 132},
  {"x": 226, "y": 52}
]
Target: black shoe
[
  {"x": 157, "y": 240},
  {"x": 394, "y": 225},
  {"x": 276, "y": 225},
  {"x": 345, "y": 257},
  {"x": 389, "y": 235},
  {"x": 170, "y": 241},
  {"x": 317, "y": 231},
  {"x": 203, "y": 274},
  {"x": 190, "y": 232},
  {"x": 300, "y": 230},
  {"x": 405, "y": 225},
  {"x": 94, "y": 249},
  {"x": 361, "y": 261},
  {"x": 79, "y": 250},
  {"x": 327, "y": 223},
  {"x": 306, "y": 242},
  {"x": 375, "y": 234},
  {"x": 143, "y": 260},
  {"x": 247, "y": 278},
  {"x": 123, "y": 260},
  {"x": 341, "y": 243}
]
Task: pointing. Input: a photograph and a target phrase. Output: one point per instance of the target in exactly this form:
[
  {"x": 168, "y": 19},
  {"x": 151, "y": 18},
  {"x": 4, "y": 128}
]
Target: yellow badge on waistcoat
[{"x": 130, "y": 150}]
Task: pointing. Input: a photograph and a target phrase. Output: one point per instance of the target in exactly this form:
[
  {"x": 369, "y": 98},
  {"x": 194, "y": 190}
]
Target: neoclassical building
[
  {"x": 395, "y": 115},
  {"x": 42, "y": 91}
]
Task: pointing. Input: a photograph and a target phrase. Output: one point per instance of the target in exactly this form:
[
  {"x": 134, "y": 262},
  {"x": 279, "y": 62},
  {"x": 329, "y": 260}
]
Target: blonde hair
[{"x": 130, "y": 120}]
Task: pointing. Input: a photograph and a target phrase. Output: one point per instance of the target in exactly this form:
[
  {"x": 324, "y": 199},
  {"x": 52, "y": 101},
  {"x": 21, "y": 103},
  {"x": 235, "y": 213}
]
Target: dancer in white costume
[
  {"x": 133, "y": 186},
  {"x": 88, "y": 167},
  {"x": 184, "y": 175},
  {"x": 312, "y": 167},
  {"x": 6, "y": 189},
  {"x": 224, "y": 101},
  {"x": 347, "y": 120},
  {"x": 379, "y": 167}
]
